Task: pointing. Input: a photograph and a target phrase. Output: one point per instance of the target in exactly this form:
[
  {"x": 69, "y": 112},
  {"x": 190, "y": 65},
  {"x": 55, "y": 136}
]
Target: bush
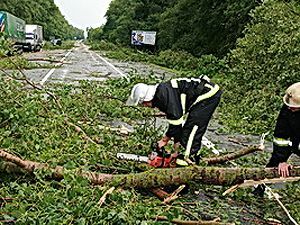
[
  {"x": 103, "y": 45},
  {"x": 65, "y": 45},
  {"x": 264, "y": 64}
]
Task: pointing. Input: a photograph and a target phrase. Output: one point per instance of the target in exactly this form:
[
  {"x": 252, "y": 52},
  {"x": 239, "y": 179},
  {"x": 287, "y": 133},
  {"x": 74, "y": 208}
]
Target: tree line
[
  {"x": 198, "y": 27},
  {"x": 44, "y": 13}
]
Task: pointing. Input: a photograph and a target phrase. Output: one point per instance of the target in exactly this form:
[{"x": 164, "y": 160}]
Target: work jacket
[
  {"x": 287, "y": 133},
  {"x": 178, "y": 96}
]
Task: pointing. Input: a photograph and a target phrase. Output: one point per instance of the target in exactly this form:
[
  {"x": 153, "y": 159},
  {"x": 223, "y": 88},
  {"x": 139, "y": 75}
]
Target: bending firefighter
[
  {"x": 188, "y": 105},
  {"x": 286, "y": 135}
]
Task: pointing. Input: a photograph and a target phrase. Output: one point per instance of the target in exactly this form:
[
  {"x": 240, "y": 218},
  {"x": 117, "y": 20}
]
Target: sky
[{"x": 84, "y": 13}]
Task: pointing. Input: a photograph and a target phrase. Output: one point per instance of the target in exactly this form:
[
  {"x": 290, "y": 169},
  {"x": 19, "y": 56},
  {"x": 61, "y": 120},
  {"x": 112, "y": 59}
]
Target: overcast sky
[{"x": 84, "y": 13}]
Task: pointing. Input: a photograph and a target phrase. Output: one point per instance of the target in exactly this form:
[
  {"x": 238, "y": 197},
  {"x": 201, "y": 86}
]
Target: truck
[
  {"x": 12, "y": 28},
  {"x": 34, "y": 37}
]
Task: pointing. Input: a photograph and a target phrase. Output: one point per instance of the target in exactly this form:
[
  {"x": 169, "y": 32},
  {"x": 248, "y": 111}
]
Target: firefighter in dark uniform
[
  {"x": 286, "y": 135},
  {"x": 188, "y": 104}
]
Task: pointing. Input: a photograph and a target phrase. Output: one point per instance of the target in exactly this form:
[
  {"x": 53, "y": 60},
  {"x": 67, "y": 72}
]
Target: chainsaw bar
[{"x": 132, "y": 157}]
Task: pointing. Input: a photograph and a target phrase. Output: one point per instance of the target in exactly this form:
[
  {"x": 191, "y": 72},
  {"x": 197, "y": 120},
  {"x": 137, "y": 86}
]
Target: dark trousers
[{"x": 197, "y": 122}]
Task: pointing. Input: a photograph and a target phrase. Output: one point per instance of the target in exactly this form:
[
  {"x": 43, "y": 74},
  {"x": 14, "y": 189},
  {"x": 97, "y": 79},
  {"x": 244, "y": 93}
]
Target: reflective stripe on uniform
[
  {"x": 282, "y": 142},
  {"x": 174, "y": 83},
  {"x": 176, "y": 122},
  {"x": 204, "y": 77},
  {"x": 212, "y": 92},
  {"x": 190, "y": 141},
  {"x": 183, "y": 102}
]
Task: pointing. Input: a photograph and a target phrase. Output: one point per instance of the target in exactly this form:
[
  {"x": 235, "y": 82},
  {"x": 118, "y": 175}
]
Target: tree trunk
[
  {"x": 161, "y": 177},
  {"x": 206, "y": 175}
]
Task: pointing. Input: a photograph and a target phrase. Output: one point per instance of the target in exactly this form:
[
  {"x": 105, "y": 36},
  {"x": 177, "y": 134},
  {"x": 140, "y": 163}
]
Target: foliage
[
  {"x": 102, "y": 45},
  {"x": 68, "y": 44},
  {"x": 95, "y": 33},
  {"x": 185, "y": 63},
  {"x": 123, "y": 17},
  {"x": 16, "y": 62},
  {"x": 197, "y": 27},
  {"x": 263, "y": 65},
  {"x": 31, "y": 125},
  {"x": 44, "y": 13},
  {"x": 5, "y": 46},
  {"x": 203, "y": 27}
]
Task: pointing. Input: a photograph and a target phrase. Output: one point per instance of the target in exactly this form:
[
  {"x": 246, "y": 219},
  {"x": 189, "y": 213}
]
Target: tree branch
[{"x": 232, "y": 156}]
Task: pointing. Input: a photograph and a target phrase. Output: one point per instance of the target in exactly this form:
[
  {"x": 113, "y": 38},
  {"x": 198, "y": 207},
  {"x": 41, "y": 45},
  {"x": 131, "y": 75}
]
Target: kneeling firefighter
[
  {"x": 188, "y": 103},
  {"x": 286, "y": 134}
]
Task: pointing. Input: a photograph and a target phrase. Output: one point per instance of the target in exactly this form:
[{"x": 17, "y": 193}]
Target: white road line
[
  {"x": 53, "y": 69},
  {"x": 93, "y": 57},
  {"x": 112, "y": 66}
]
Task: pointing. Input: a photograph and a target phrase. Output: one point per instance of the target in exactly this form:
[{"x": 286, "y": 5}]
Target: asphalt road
[{"x": 80, "y": 63}]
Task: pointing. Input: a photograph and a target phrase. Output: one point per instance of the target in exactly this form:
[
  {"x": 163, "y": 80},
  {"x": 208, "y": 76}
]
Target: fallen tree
[{"x": 160, "y": 177}]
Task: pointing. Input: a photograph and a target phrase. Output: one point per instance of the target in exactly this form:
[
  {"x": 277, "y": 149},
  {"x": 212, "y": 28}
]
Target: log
[
  {"x": 232, "y": 156},
  {"x": 161, "y": 177},
  {"x": 206, "y": 175}
]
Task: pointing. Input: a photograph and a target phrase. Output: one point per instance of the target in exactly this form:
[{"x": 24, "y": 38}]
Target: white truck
[{"x": 34, "y": 37}]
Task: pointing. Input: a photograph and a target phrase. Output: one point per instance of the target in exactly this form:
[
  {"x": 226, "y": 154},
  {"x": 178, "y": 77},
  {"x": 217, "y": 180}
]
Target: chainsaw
[{"x": 158, "y": 158}]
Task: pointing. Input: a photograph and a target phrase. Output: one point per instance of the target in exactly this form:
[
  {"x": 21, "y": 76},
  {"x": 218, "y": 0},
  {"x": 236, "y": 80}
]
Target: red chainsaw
[{"x": 158, "y": 158}]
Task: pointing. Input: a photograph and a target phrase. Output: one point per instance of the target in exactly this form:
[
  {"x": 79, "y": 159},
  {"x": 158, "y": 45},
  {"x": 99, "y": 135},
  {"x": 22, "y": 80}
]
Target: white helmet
[
  {"x": 141, "y": 93},
  {"x": 292, "y": 96}
]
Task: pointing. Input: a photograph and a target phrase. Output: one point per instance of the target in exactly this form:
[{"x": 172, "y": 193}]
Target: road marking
[
  {"x": 53, "y": 69},
  {"x": 93, "y": 57},
  {"x": 111, "y": 65}
]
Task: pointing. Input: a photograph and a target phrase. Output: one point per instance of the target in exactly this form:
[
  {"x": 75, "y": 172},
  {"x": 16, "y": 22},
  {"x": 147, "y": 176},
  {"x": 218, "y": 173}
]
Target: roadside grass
[
  {"x": 33, "y": 126},
  {"x": 181, "y": 62},
  {"x": 66, "y": 44}
]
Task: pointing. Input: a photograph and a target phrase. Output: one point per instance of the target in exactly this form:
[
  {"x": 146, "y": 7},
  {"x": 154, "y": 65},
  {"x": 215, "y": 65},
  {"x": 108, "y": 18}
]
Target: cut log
[{"x": 161, "y": 177}]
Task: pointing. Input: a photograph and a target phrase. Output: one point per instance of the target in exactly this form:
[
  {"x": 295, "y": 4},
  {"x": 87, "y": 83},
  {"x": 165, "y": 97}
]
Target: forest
[{"x": 198, "y": 27}]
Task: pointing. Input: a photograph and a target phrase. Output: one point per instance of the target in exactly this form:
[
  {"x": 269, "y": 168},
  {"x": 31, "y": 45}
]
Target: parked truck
[
  {"x": 34, "y": 37},
  {"x": 12, "y": 28}
]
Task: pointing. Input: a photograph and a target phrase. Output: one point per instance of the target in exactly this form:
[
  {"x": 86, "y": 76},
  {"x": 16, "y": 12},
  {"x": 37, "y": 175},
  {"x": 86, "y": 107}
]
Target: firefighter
[
  {"x": 286, "y": 135},
  {"x": 188, "y": 103}
]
